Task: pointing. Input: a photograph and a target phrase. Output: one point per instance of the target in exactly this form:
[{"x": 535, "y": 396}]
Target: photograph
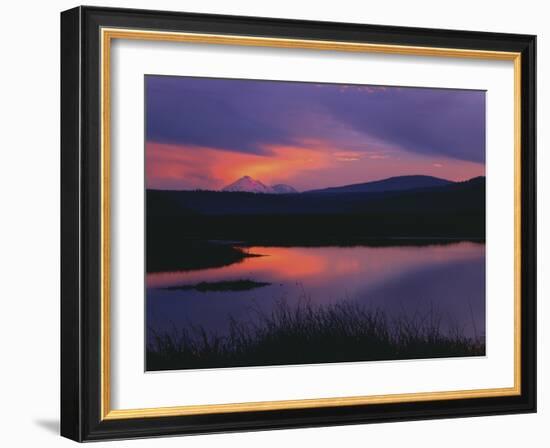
[
  {"x": 297, "y": 223},
  {"x": 290, "y": 221}
]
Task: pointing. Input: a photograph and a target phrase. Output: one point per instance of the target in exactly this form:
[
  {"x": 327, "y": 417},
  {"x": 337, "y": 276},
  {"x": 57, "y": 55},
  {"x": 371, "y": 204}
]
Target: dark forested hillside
[{"x": 182, "y": 224}]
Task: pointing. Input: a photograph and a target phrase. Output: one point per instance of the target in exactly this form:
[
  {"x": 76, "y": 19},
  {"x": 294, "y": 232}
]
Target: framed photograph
[{"x": 273, "y": 223}]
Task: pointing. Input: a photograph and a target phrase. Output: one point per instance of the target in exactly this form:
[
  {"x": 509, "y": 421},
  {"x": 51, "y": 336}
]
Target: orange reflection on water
[
  {"x": 318, "y": 266},
  {"x": 288, "y": 263}
]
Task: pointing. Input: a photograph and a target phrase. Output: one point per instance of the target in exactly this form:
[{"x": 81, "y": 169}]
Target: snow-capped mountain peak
[
  {"x": 283, "y": 188},
  {"x": 247, "y": 184},
  {"x": 250, "y": 185}
]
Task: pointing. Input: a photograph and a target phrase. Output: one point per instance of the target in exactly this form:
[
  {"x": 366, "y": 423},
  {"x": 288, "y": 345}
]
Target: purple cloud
[{"x": 247, "y": 116}]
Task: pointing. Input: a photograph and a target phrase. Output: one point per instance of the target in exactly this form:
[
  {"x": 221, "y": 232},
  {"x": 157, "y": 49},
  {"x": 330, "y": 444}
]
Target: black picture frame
[{"x": 81, "y": 224}]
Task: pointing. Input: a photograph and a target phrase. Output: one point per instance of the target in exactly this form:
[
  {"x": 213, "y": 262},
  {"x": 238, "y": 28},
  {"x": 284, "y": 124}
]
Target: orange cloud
[
  {"x": 347, "y": 156},
  {"x": 308, "y": 164},
  {"x": 195, "y": 167}
]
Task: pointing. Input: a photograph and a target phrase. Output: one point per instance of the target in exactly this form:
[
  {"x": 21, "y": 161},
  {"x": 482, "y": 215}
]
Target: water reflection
[{"x": 448, "y": 279}]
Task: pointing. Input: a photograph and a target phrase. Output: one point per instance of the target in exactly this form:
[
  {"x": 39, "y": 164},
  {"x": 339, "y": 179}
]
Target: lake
[{"x": 443, "y": 280}]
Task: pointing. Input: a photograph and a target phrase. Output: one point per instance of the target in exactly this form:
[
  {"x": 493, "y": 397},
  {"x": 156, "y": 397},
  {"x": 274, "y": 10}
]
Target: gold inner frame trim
[{"x": 107, "y": 35}]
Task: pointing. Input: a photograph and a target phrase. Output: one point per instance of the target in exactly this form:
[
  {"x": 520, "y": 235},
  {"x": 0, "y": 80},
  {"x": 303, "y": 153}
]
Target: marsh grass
[{"x": 305, "y": 334}]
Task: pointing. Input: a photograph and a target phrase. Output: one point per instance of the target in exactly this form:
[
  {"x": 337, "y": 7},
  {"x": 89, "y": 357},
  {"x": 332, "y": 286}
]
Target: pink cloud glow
[{"x": 309, "y": 164}]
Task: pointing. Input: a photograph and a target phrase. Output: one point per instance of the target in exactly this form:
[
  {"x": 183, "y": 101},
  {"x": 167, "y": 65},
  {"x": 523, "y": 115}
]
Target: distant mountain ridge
[
  {"x": 449, "y": 197},
  {"x": 247, "y": 184},
  {"x": 397, "y": 183}
]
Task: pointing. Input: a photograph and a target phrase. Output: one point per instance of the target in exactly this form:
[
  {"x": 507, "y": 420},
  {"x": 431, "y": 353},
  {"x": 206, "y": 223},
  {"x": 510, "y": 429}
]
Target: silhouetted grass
[{"x": 307, "y": 334}]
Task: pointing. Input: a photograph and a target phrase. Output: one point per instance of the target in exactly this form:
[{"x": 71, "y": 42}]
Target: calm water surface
[{"x": 401, "y": 280}]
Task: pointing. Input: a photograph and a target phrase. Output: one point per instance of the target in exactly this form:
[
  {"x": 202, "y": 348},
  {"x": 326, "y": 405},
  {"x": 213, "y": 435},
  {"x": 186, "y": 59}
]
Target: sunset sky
[{"x": 204, "y": 133}]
